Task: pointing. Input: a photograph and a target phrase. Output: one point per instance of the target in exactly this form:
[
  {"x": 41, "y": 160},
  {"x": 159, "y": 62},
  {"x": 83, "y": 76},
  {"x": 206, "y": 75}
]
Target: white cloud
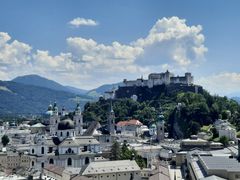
[
  {"x": 13, "y": 53},
  {"x": 226, "y": 83},
  {"x": 170, "y": 44},
  {"x": 172, "y": 40},
  {"x": 82, "y": 22}
]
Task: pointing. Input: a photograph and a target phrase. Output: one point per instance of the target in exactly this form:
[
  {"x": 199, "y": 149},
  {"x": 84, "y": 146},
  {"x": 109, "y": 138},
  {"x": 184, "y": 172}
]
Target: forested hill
[
  {"x": 189, "y": 111},
  {"x": 17, "y": 98}
]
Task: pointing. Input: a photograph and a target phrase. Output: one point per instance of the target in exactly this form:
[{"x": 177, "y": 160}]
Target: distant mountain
[
  {"x": 18, "y": 98},
  {"x": 37, "y": 80},
  {"x": 102, "y": 89},
  {"x": 236, "y": 99}
]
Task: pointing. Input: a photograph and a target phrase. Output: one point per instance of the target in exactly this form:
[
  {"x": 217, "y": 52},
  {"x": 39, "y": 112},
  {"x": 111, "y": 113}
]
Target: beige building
[
  {"x": 10, "y": 161},
  {"x": 113, "y": 170}
]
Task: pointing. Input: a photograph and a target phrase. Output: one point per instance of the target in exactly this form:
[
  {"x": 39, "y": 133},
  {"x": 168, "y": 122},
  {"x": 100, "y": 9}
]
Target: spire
[{"x": 78, "y": 108}]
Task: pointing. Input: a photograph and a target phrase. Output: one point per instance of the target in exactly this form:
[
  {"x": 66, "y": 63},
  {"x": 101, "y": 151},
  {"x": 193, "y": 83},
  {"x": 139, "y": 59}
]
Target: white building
[{"x": 224, "y": 128}]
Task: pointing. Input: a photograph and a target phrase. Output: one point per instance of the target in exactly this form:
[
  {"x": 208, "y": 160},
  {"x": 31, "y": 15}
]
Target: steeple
[
  {"x": 78, "y": 120},
  {"x": 55, "y": 109},
  {"x": 111, "y": 120},
  {"x": 160, "y": 126}
]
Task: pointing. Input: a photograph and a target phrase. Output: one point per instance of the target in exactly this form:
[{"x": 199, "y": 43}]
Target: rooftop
[
  {"x": 130, "y": 122},
  {"x": 111, "y": 167},
  {"x": 220, "y": 163}
]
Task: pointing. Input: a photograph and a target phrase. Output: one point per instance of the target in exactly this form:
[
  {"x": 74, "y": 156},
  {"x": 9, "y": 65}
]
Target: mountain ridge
[
  {"x": 36, "y": 80},
  {"x": 18, "y": 98}
]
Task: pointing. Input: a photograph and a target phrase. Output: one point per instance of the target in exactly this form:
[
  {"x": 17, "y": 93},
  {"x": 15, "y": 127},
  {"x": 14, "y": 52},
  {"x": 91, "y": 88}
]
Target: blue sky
[{"x": 48, "y": 41}]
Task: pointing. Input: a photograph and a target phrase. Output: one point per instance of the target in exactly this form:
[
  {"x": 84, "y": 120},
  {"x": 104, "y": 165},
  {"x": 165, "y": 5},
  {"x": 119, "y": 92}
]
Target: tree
[
  {"x": 115, "y": 151},
  {"x": 224, "y": 140},
  {"x": 214, "y": 132},
  {"x": 5, "y": 140}
]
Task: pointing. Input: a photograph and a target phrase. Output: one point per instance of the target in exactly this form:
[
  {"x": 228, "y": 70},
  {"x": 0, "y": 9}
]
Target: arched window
[
  {"x": 42, "y": 150},
  {"x": 87, "y": 160},
  {"x": 69, "y": 162},
  {"x": 51, "y": 161},
  {"x": 67, "y": 133},
  {"x": 32, "y": 163},
  {"x": 32, "y": 151}
]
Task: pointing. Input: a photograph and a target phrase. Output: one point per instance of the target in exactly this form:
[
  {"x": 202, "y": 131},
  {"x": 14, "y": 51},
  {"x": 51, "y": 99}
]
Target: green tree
[
  {"x": 115, "y": 151},
  {"x": 224, "y": 140},
  {"x": 5, "y": 140},
  {"x": 214, "y": 132}
]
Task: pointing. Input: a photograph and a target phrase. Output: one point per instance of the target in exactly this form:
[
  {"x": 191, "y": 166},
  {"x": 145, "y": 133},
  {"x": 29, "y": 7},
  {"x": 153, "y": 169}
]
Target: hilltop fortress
[{"x": 156, "y": 84}]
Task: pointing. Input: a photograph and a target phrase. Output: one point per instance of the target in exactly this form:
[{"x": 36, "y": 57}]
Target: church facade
[{"x": 63, "y": 144}]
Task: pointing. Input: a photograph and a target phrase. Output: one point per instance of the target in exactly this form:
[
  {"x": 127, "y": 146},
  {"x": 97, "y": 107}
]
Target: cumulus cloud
[
  {"x": 171, "y": 40},
  {"x": 226, "y": 83},
  {"x": 170, "y": 44},
  {"x": 77, "y": 22},
  {"x": 13, "y": 55}
]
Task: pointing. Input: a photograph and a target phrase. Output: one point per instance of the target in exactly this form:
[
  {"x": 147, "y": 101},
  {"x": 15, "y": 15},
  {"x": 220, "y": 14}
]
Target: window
[
  {"x": 69, "y": 162},
  {"x": 51, "y": 161},
  {"x": 42, "y": 150},
  {"x": 32, "y": 151},
  {"x": 42, "y": 165},
  {"x": 50, "y": 149},
  {"x": 32, "y": 163},
  {"x": 61, "y": 134},
  {"x": 87, "y": 160},
  {"x": 69, "y": 151},
  {"x": 67, "y": 133}
]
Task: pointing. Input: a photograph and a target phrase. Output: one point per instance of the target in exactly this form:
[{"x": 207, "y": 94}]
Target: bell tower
[
  {"x": 78, "y": 120},
  {"x": 160, "y": 127},
  {"x": 54, "y": 120},
  {"x": 111, "y": 121}
]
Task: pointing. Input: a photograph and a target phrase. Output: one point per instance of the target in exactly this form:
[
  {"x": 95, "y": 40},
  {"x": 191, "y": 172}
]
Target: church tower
[
  {"x": 54, "y": 119},
  {"x": 111, "y": 121},
  {"x": 78, "y": 120},
  {"x": 160, "y": 127}
]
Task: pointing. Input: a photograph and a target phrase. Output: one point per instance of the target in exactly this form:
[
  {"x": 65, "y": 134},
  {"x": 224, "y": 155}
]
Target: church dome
[{"x": 66, "y": 124}]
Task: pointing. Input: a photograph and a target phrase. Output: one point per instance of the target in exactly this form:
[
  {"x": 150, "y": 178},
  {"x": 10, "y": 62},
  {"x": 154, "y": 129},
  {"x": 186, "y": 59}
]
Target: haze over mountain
[
  {"x": 40, "y": 81},
  {"x": 19, "y": 98}
]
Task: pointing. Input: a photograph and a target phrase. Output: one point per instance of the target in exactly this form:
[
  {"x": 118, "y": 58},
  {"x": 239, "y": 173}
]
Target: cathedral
[{"x": 62, "y": 143}]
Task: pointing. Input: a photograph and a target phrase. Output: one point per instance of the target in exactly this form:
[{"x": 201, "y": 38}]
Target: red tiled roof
[{"x": 130, "y": 122}]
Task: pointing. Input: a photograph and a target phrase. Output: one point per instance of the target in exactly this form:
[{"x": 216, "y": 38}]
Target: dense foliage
[{"x": 185, "y": 112}]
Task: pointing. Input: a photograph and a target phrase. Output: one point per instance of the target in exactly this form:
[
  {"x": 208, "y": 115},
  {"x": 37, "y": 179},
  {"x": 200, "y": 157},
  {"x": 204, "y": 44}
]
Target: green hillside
[
  {"x": 185, "y": 113},
  {"x": 17, "y": 98}
]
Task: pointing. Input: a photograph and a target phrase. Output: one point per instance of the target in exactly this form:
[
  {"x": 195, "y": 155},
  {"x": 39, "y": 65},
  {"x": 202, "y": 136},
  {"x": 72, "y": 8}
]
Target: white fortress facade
[{"x": 159, "y": 79}]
